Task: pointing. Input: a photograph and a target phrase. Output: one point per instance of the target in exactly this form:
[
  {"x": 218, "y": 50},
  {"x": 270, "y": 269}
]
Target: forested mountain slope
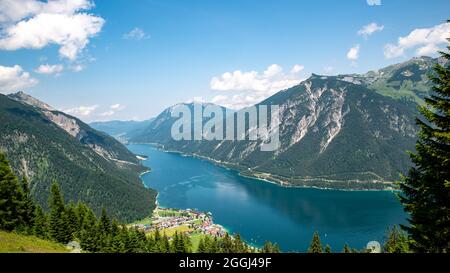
[
  {"x": 345, "y": 131},
  {"x": 47, "y": 145}
]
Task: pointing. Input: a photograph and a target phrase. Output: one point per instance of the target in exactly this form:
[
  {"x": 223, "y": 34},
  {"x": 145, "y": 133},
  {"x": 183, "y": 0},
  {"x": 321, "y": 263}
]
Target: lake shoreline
[
  {"x": 267, "y": 211},
  {"x": 278, "y": 182}
]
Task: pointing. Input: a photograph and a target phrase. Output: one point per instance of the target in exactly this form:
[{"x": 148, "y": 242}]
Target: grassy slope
[{"x": 17, "y": 243}]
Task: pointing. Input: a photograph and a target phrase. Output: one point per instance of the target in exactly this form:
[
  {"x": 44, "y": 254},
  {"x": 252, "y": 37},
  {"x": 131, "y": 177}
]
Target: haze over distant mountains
[
  {"x": 345, "y": 131},
  {"x": 46, "y": 145}
]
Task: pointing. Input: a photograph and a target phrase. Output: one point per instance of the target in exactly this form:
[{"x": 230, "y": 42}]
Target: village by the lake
[{"x": 190, "y": 222}]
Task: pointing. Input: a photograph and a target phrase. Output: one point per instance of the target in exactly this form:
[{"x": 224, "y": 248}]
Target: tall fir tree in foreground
[
  {"x": 12, "y": 203},
  {"x": 40, "y": 223},
  {"x": 426, "y": 188},
  {"x": 59, "y": 229},
  {"x": 28, "y": 206}
]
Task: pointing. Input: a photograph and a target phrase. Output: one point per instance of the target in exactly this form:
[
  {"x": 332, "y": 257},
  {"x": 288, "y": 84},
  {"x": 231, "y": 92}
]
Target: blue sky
[{"x": 142, "y": 56}]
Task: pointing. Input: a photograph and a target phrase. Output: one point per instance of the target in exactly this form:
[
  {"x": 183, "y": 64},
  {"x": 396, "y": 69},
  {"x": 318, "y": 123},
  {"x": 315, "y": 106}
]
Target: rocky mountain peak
[{"x": 27, "y": 99}]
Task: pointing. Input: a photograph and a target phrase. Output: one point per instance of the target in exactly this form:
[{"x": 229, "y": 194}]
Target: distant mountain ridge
[
  {"x": 46, "y": 145},
  {"x": 121, "y": 130},
  {"x": 345, "y": 131}
]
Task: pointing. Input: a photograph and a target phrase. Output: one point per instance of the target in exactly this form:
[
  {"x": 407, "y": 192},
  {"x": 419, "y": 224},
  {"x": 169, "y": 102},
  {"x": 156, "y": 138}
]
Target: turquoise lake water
[{"x": 261, "y": 211}]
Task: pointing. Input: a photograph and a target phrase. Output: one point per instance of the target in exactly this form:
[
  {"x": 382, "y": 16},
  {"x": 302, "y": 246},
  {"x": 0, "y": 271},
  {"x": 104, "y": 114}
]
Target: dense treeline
[
  {"x": 67, "y": 222},
  {"x": 396, "y": 241},
  {"x": 426, "y": 188},
  {"x": 425, "y": 195}
]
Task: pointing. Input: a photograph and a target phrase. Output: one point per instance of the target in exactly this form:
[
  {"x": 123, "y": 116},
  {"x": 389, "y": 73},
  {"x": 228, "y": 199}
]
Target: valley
[
  {"x": 347, "y": 132},
  {"x": 216, "y": 134},
  {"x": 261, "y": 211}
]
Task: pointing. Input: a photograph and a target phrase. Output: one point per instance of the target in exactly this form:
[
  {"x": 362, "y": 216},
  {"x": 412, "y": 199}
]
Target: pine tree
[
  {"x": 215, "y": 246},
  {"x": 88, "y": 236},
  {"x": 11, "y": 198},
  {"x": 227, "y": 244},
  {"x": 40, "y": 228},
  {"x": 208, "y": 244},
  {"x": 117, "y": 244},
  {"x": 179, "y": 243},
  {"x": 104, "y": 223},
  {"x": 80, "y": 211},
  {"x": 397, "y": 241},
  {"x": 143, "y": 240},
  {"x": 187, "y": 243},
  {"x": 165, "y": 245},
  {"x": 115, "y": 229},
  {"x": 72, "y": 220},
  {"x": 316, "y": 245},
  {"x": 270, "y": 248},
  {"x": 104, "y": 230},
  {"x": 201, "y": 246},
  {"x": 159, "y": 246},
  {"x": 28, "y": 206},
  {"x": 346, "y": 249},
  {"x": 426, "y": 188},
  {"x": 327, "y": 249},
  {"x": 58, "y": 222},
  {"x": 238, "y": 245},
  {"x": 137, "y": 241}
]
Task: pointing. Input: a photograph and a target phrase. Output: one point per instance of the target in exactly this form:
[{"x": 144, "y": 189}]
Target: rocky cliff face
[
  {"x": 99, "y": 142},
  {"x": 345, "y": 131}
]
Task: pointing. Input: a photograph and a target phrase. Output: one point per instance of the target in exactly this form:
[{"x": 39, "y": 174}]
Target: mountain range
[
  {"x": 47, "y": 145},
  {"x": 121, "y": 130},
  {"x": 346, "y": 131}
]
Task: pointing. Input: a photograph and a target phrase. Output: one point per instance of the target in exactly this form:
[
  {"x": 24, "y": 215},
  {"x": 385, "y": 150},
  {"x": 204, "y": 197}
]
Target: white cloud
[
  {"x": 135, "y": 34},
  {"x": 272, "y": 79},
  {"x": 374, "y": 2},
  {"x": 353, "y": 53},
  {"x": 117, "y": 107},
  {"x": 369, "y": 29},
  {"x": 297, "y": 68},
  {"x": 107, "y": 113},
  {"x": 49, "y": 69},
  {"x": 112, "y": 110},
  {"x": 425, "y": 41},
  {"x": 248, "y": 88},
  {"x": 82, "y": 111},
  {"x": 13, "y": 79},
  {"x": 219, "y": 99},
  {"x": 16, "y": 10},
  {"x": 238, "y": 101},
  {"x": 35, "y": 24},
  {"x": 273, "y": 70}
]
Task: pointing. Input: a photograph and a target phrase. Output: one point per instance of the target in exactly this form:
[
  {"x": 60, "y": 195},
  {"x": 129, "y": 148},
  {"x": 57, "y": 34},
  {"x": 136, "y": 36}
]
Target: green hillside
[
  {"x": 11, "y": 242},
  {"x": 90, "y": 167},
  {"x": 345, "y": 131}
]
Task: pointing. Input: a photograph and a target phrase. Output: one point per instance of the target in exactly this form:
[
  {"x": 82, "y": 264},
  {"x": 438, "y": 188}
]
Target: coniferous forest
[
  {"x": 224, "y": 135},
  {"x": 425, "y": 194},
  {"x": 64, "y": 223}
]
